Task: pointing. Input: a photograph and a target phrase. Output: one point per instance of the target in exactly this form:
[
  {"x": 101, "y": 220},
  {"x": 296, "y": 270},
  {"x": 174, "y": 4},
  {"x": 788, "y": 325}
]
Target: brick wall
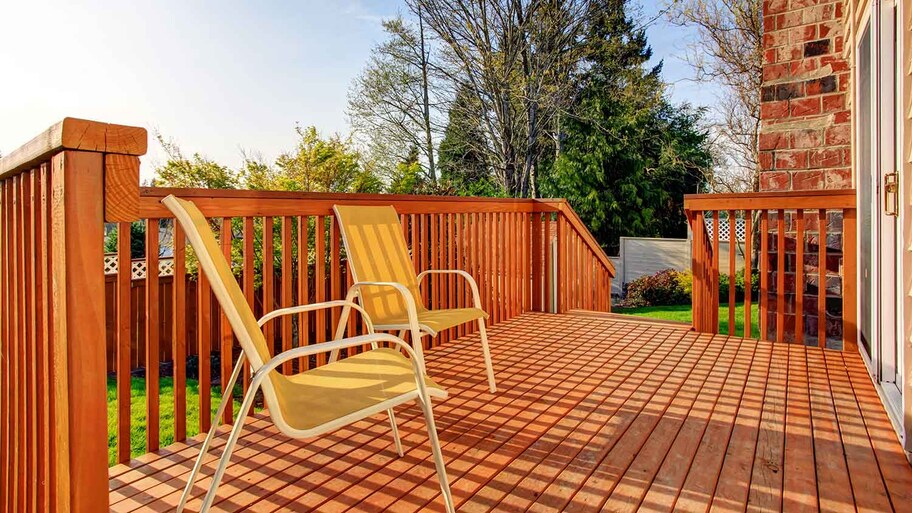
[
  {"x": 805, "y": 130},
  {"x": 805, "y": 144}
]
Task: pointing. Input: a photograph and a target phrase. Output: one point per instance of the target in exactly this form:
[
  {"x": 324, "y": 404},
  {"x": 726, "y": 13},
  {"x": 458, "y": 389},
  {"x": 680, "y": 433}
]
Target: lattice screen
[{"x": 740, "y": 229}]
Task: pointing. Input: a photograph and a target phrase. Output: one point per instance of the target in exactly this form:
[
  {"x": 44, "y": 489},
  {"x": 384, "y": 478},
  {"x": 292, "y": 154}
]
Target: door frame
[{"x": 893, "y": 398}]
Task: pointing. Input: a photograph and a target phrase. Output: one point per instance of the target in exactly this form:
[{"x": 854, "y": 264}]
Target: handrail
[
  {"x": 75, "y": 134},
  {"x": 836, "y": 199},
  {"x": 564, "y": 208}
]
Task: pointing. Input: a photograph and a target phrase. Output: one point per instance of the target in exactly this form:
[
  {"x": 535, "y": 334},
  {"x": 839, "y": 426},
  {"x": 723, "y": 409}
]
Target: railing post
[
  {"x": 538, "y": 276},
  {"x": 55, "y": 411}
]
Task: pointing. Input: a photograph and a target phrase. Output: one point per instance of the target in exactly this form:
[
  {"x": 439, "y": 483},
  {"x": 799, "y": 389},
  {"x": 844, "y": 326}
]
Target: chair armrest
[
  {"x": 410, "y": 307},
  {"x": 333, "y": 345},
  {"x": 317, "y": 306},
  {"x": 468, "y": 277}
]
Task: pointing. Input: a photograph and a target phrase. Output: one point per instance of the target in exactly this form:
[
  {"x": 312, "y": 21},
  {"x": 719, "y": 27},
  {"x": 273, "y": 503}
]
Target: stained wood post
[{"x": 57, "y": 184}]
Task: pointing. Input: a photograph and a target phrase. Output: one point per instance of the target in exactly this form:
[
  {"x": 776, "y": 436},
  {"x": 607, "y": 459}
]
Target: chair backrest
[
  {"x": 377, "y": 251},
  {"x": 229, "y": 295}
]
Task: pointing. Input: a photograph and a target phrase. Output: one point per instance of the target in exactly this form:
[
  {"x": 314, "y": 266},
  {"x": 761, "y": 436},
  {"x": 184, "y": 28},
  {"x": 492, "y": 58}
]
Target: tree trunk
[{"x": 429, "y": 141}]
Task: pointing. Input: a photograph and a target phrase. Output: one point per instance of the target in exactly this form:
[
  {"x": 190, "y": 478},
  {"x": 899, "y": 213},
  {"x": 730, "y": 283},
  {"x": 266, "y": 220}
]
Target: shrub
[
  {"x": 668, "y": 287},
  {"x": 739, "y": 286}
]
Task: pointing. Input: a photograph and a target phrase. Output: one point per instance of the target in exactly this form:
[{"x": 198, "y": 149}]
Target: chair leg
[
  {"x": 425, "y": 403},
  {"x": 226, "y": 399},
  {"x": 229, "y": 447},
  {"x": 392, "y": 418},
  {"x": 486, "y": 350}
]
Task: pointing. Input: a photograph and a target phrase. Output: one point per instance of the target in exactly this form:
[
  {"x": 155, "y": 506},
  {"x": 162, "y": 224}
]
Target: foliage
[
  {"x": 195, "y": 172},
  {"x": 627, "y": 155},
  {"x": 739, "y": 286},
  {"x": 728, "y": 52},
  {"x": 391, "y": 104},
  {"x": 666, "y": 287},
  {"x": 137, "y": 240},
  {"x": 515, "y": 59},
  {"x": 463, "y": 160},
  {"x": 316, "y": 164}
]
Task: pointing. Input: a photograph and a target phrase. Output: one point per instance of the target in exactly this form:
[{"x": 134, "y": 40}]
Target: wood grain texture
[
  {"x": 78, "y": 331},
  {"x": 647, "y": 417},
  {"x": 121, "y": 176},
  {"x": 75, "y": 134}
]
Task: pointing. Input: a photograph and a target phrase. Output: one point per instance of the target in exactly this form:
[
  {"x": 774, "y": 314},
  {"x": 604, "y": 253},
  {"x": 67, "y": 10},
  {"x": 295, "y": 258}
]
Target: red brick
[
  {"x": 774, "y": 110},
  {"x": 789, "y": 20},
  {"x": 847, "y": 155},
  {"x": 798, "y": 4},
  {"x": 769, "y": 56},
  {"x": 838, "y": 44},
  {"x": 807, "y": 138},
  {"x": 804, "y": 66},
  {"x": 807, "y": 180},
  {"x": 838, "y": 178},
  {"x": 774, "y": 181},
  {"x": 805, "y": 107},
  {"x": 802, "y": 34},
  {"x": 827, "y": 28},
  {"x": 774, "y": 6},
  {"x": 790, "y": 53},
  {"x": 791, "y": 159},
  {"x": 766, "y": 160},
  {"x": 844, "y": 79},
  {"x": 775, "y": 72},
  {"x": 770, "y": 23},
  {"x": 838, "y": 135},
  {"x": 834, "y": 102},
  {"x": 776, "y": 38},
  {"x": 838, "y": 13},
  {"x": 825, "y": 157},
  {"x": 774, "y": 141},
  {"x": 813, "y": 15},
  {"x": 836, "y": 62},
  {"x": 842, "y": 117}
]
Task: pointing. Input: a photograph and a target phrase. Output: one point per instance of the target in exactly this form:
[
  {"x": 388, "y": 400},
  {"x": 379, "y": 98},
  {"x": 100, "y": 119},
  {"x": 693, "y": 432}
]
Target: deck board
[{"x": 592, "y": 414}]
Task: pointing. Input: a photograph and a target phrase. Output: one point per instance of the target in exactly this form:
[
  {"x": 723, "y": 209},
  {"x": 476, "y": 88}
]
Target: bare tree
[
  {"x": 515, "y": 56},
  {"x": 391, "y": 103},
  {"x": 728, "y": 51}
]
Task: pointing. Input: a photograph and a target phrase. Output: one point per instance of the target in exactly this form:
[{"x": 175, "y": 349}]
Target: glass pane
[{"x": 865, "y": 182}]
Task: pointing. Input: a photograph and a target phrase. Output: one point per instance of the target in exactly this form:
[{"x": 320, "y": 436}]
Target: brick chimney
[{"x": 805, "y": 134}]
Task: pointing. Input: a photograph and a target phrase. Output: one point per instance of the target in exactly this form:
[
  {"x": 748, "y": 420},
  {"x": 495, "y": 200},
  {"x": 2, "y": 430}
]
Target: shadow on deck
[{"x": 593, "y": 414}]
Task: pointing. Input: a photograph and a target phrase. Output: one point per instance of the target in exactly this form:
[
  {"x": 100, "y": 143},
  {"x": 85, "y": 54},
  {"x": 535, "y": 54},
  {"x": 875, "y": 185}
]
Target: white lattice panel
[
  {"x": 138, "y": 267},
  {"x": 724, "y": 231}
]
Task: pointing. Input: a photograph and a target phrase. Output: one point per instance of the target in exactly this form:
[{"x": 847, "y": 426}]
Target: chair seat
[
  {"x": 335, "y": 390},
  {"x": 434, "y": 321}
]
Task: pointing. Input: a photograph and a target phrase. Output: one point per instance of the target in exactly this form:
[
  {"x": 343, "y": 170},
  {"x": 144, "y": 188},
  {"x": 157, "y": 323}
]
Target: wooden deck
[{"x": 592, "y": 414}]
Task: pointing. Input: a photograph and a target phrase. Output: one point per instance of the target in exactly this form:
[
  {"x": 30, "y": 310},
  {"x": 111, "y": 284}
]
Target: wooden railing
[
  {"x": 53, "y": 193},
  {"x": 800, "y": 248},
  {"x": 503, "y": 243},
  {"x": 58, "y": 191}
]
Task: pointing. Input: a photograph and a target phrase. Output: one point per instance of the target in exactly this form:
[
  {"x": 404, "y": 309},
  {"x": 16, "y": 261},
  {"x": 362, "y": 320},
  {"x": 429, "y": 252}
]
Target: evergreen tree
[{"x": 626, "y": 155}]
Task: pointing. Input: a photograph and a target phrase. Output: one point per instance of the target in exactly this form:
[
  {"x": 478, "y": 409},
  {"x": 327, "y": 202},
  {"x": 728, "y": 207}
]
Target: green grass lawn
[
  {"x": 683, "y": 313},
  {"x": 166, "y": 413}
]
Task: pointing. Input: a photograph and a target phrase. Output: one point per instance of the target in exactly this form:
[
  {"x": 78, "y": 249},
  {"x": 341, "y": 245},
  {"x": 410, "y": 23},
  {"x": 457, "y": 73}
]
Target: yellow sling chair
[
  {"x": 387, "y": 287},
  {"x": 316, "y": 401}
]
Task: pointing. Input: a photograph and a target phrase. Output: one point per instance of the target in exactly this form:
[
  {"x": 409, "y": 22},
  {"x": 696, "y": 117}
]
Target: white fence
[{"x": 642, "y": 256}]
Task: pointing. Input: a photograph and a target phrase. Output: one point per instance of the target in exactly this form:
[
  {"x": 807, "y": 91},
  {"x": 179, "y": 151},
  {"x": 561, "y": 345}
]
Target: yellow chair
[
  {"x": 387, "y": 287},
  {"x": 316, "y": 401}
]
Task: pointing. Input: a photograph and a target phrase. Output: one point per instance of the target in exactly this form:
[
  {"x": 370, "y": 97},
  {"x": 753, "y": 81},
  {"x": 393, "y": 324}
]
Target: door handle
[{"x": 891, "y": 194}]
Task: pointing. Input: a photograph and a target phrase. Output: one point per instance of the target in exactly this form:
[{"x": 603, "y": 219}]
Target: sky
[{"x": 216, "y": 77}]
